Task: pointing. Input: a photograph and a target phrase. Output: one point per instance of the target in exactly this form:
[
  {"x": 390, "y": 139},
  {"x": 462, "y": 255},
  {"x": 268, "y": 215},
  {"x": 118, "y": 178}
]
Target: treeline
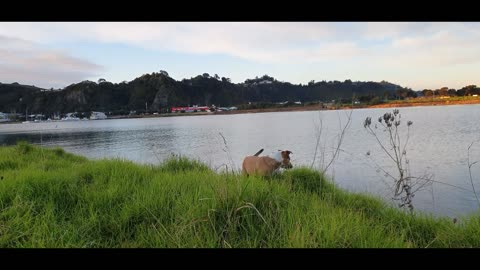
[
  {"x": 469, "y": 90},
  {"x": 157, "y": 92}
]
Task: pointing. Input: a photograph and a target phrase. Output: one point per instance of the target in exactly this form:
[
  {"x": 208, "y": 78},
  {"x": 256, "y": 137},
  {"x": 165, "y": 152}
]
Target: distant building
[{"x": 265, "y": 82}]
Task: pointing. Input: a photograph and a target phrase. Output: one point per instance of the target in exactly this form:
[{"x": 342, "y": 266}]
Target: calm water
[{"x": 440, "y": 136}]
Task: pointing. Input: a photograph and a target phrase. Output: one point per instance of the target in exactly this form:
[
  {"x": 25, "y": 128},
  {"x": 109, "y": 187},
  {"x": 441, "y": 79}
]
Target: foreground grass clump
[{"x": 50, "y": 198}]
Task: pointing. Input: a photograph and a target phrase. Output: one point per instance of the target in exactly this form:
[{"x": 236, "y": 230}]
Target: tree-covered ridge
[{"x": 157, "y": 92}]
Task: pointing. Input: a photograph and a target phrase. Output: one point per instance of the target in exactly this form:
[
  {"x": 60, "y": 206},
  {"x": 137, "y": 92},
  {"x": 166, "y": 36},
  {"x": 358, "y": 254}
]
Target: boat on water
[
  {"x": 4, "y": 117},
  {"x": 71, "y": 117},
  {"x": 68, "y": 118},
  {"x": 98, "y": 116}
]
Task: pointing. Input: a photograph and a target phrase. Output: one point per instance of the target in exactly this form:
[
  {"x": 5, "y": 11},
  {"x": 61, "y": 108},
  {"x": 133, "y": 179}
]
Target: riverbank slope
[{"x": 50, "y": 198}]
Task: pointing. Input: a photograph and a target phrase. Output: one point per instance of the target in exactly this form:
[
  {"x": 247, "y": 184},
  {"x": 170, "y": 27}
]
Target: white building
[{"x": 265, "y": 82}]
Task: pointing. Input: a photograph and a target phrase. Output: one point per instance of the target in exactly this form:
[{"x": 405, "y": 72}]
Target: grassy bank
[{"x": 49, "y": 198}]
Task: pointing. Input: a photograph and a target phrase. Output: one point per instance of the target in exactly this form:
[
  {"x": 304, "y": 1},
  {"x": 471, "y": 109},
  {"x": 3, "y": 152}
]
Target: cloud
[
  {"x": 399, "y": 47},
  {"x": 445, "y": 47},
  {"x": 29, "y": 63},
  {"x": 252, "y": 41},
  {"x": 255, "y": 41},
  {"x": 43, "y": 78},
  {"x": 382, "y": 30}
]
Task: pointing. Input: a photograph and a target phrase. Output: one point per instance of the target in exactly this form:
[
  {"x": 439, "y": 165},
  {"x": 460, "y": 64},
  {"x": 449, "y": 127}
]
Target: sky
[{"x": 419, "y": 55}]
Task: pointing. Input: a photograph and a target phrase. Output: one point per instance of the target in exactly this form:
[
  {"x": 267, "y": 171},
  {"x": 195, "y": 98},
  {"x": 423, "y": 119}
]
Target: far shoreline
[{"x": 315, "y": 107}]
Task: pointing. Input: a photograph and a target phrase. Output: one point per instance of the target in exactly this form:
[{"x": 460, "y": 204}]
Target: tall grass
[{"x": 50, "y": 198}]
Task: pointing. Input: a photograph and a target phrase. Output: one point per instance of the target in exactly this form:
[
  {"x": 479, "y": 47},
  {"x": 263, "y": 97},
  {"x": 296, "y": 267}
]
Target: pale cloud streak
[{"x": 29, "y": 63}]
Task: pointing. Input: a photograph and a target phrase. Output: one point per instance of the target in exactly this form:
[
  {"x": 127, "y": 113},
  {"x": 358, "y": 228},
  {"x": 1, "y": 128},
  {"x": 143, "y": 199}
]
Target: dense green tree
[
  {"x": 427, "y": 93},
  {"x": 452, "y": 92},
  {"x": 443, "y": 91}
]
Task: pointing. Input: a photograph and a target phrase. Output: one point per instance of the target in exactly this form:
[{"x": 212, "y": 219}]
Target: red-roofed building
[{"x": 190, "y": 109}]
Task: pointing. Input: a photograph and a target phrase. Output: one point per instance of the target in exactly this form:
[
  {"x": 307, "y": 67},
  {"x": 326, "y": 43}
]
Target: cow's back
[{"x": 250, "y": 164}]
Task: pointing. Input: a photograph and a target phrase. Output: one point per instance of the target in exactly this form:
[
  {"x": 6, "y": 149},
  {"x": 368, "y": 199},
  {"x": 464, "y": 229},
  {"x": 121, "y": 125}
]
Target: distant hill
[{"x": 158, "y": 92}]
